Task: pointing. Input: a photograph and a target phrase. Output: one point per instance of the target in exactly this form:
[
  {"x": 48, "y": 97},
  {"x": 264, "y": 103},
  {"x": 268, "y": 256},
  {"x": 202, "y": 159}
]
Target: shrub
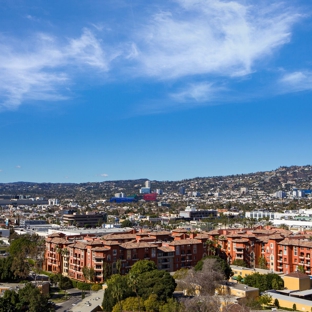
[
  {"x": 96, "y": 287},
  {"x": 83, "y": 286}
]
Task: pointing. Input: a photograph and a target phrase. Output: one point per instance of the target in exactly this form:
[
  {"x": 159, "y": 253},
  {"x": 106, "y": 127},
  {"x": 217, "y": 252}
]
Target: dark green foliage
[
  {"x": 116, "y": 291},
  {"x": 264, "y": 281},
  {"x": 6, "y": 273},
  {"x": 276, "y": 303},
  {"x": 240, "y": 263},
  {"x": 224, "y": 265},
  {"x": 65, "y": 282},
  {"x": 141, "y": 267},
  {"x": 28, "y": 299},
  {"x": 126, "y": 223},
  {"x": 294, "y": 307},
  {"x": 142, "y": 281},
  {"x": 83, "y": 286},
  {"x": 156, "y": 282}
]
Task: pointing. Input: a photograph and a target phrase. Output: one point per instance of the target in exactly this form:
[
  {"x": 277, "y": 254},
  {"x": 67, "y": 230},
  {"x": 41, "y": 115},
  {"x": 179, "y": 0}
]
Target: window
[
  {"x": 194, "y": 249},
  {"x": 128, "y": 254},
  {"x": 285, "y": 250},
  {"x": 114, "y": 252},
  {"x": 295, "y": 251},
  {"x": 153, "y": 252},
  {"x": 178, "y": 250}
]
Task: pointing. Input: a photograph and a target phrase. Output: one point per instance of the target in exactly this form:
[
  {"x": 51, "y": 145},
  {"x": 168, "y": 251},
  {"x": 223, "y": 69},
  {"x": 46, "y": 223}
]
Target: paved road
[{"x": 75, "y": 297}]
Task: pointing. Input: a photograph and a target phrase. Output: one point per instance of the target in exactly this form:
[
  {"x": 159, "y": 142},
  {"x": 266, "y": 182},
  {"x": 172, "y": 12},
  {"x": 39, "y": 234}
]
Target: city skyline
[{"x": 165, "y": 91}]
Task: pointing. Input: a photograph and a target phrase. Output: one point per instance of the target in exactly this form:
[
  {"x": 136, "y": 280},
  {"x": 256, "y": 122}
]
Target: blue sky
[{"x": 164, "y": 90}]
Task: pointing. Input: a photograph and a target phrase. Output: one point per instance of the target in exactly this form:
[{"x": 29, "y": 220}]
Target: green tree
[
  {"x": 65, "y": 282},
  {"x": 126, "y": 223},
  {"x": 276, "y": 303},
  {"x": 294, "y": 307},
  {"x": 31, "y": 298},
  {"x": 170, "y": 306},
  {"x": 128, "y": 304},
  {"x": 262, "y": 263},
  {"x": 264, "y": 281},
  {"x": 265, "y": 299},
  {"x": 115, "y": 292},
  {"x": 6, "y": 273},
  {"x": 180, "y": 274},
  {"x": 156, "y": 282},
  {"x": 152, "y": 303},
  {"x": 239, "y": 262},
  {"x": 86, "y": 273}
]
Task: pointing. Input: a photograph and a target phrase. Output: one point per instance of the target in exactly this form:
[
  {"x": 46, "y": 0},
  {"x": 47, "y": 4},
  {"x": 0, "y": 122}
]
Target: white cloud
[
  {"x": 38, "y": 69},
  {"x": 18, "y": 167},
  {"x": 199, "y": 92},
  {"x": 104, "y": 175},
  {"x": 223, "y": 38},
  {"x": 296, "y": 81},
  {"x": 208, "y": 40}
]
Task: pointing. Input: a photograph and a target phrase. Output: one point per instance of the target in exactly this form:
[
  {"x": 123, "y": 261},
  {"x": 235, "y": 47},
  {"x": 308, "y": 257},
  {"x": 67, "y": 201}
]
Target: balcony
[
  {"x": 240, "y": 251},
  {"x": 301, "y": 256},
  {"x": 280, "y": 260},
  {"x": 280, "y": 266},
  {"x": 98, "y": 261},
  {"x": 307, "y": 264}
]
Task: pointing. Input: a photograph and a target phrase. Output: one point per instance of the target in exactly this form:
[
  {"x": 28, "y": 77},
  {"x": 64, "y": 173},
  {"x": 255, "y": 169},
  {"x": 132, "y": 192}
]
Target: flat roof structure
[{"x": 302, "y": 293}]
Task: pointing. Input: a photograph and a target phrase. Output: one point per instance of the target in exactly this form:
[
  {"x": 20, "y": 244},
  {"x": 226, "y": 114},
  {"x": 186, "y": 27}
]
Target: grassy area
[{"x": 57, "y": 295}]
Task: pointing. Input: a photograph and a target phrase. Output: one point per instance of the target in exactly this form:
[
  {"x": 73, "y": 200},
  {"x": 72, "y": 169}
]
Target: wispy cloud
[
  {"x": 296, "y": 81},
  {"x": 18, "y": 166},
  {"x": 212, "y": 41},
  {"x": 223, "y": 38},
  {"x": 39, "y": 69},
  {"x": 198, "y": 92},
  {"x": 104, "y": 175}
]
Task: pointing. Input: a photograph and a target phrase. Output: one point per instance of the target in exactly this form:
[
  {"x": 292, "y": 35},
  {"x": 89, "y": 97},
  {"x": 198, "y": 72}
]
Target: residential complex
[
  {"x": 278, "y": 249},
  {"x": 114, "y": 253}
]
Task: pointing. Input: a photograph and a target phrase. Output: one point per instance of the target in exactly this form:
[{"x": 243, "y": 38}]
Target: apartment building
[
  {"x": 278, "y": 249},
  {"x": 115, "y": 253}
]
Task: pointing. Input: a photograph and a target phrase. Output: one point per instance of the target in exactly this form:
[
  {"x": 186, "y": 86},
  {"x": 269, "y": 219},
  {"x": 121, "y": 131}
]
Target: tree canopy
[
  {"x": 264, "y": 281},
  {"x": 29, "y": 298},
  {"x": 144, "y": 283}
]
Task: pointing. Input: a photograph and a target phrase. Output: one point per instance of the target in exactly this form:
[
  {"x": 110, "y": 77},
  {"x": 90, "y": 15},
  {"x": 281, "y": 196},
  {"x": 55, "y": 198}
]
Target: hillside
[{"x": 283, "y": 178}]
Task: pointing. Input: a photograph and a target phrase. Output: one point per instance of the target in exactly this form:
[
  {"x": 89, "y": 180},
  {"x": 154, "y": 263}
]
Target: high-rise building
[{"x": 148, "y": 184}]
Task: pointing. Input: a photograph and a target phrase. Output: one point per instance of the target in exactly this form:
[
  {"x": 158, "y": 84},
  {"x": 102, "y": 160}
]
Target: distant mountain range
[{"x": 283, "y": 178}]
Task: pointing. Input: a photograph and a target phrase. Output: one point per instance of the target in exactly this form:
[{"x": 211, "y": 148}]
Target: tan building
[
  {"x": 289, "y": 301},
  {"x": 297, "y": 281},
  {"x": 240, "y": 291}
]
